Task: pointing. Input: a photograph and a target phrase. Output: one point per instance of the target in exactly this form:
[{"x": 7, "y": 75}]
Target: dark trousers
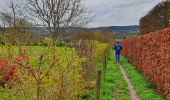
[{"x": 117, "y": 56}]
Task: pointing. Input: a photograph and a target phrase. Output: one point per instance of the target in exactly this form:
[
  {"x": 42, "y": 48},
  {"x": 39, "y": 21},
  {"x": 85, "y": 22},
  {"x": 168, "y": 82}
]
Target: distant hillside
[
  {"x": 121, "y": 29},
  {"x": 121, "y": 32},
  {"x": 43, "y": 30},
  {"x": 118, "y": 31}
]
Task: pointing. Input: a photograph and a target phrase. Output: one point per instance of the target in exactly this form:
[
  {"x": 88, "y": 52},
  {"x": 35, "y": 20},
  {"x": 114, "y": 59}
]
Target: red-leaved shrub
[{"x": 10, "y": 69}]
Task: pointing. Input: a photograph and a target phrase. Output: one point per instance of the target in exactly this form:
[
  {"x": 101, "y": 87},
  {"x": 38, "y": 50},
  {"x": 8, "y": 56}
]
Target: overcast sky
[
  {"x": 114, "y": 12},
  {"x": 119, "y": 12}
]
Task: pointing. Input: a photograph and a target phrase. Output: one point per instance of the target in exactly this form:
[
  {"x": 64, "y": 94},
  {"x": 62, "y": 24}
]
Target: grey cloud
[{"x": 119, "y": 12}]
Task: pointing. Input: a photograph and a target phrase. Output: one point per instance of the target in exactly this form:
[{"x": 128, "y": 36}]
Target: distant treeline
[
  {"x": 119, "y": 36},
  {"x": 158, "y": 18}
]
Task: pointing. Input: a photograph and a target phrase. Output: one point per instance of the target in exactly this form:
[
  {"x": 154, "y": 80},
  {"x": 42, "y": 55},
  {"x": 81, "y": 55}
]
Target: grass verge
[
  {"x": 144, "y": 89},
  {"x": 114, "y": 85}
]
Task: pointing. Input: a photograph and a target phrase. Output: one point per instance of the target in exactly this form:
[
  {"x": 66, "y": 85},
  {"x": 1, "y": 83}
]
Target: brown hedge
[{"x": 150, "y": 53}]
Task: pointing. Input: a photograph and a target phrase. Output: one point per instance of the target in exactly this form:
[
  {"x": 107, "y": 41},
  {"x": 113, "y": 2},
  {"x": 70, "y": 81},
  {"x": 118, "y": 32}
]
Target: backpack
[{"x": 118, "y": 47}]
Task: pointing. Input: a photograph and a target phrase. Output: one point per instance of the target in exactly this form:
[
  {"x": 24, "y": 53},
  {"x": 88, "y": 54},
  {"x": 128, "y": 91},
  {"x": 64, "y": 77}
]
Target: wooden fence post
[
  {"x": 107, "y": 57},
  {"x": 106, "y": 60},
  {"x": 98, "y": 83},
  {"x": 104, "y": 66}
]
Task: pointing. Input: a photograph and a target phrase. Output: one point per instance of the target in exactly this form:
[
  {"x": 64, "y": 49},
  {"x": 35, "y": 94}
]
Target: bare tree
[
  {"x": 14, "y": 25},
  {"x": 6, "y": 19},
  {"x": 57, "y": 15},
  {"x": 13, "y": 17},
  {"x": 13, "y": 8}
]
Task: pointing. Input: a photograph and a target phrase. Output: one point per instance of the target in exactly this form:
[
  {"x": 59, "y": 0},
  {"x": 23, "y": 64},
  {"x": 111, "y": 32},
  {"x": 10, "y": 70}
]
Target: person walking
[{"x": 118, "y": 48}]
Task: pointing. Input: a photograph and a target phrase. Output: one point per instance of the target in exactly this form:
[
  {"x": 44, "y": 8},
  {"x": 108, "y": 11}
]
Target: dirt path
[{"x": 132, "y": 92}]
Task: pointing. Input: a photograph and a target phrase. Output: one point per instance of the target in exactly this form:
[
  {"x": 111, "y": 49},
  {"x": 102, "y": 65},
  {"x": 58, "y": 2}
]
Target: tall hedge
[{"x": 150, "y": 54}]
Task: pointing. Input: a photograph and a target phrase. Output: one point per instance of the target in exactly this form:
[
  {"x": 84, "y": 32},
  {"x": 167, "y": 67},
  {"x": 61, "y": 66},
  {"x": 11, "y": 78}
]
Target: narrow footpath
[
  {"x": 123, "y": 82},
  {"x": 132, "y": 92}
]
